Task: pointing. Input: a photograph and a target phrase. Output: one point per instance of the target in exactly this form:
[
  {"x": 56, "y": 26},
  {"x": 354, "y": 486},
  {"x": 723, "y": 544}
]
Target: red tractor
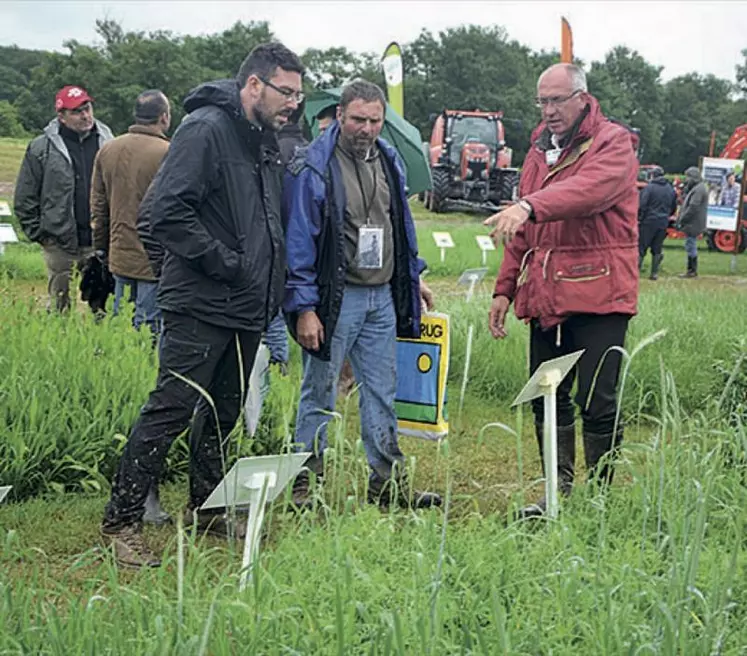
[{"x": 470, "y": 162}]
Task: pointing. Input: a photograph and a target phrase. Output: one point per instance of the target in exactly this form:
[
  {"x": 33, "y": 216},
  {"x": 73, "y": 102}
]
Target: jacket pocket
[{"x": 579, "y": 282}]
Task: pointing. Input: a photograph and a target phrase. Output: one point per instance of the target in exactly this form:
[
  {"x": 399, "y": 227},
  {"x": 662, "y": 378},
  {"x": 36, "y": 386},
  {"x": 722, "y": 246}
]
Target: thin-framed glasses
[
  {"x": 291, "y": 94},
  {"x": 554, "y": 101}
]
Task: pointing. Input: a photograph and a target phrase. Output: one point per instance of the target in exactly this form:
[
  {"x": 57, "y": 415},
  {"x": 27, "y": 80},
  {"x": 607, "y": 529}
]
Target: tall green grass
[
  {"x": 71, "y": 388},
  {"x": 657, "y": 565}
]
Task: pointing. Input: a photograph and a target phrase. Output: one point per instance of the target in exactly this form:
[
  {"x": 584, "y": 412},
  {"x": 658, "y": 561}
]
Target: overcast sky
[{"x": 681, "y": 36}]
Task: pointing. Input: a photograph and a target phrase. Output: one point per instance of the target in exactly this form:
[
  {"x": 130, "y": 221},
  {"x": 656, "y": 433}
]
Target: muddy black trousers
[
  {"x": 218, "y": 360},
  {"x": 596, "y": 334}
]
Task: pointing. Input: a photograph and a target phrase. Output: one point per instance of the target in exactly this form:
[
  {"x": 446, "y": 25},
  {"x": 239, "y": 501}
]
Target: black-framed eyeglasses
[
  {"x": 554, "y": 101},
  {"x": 291, "y": 94}
]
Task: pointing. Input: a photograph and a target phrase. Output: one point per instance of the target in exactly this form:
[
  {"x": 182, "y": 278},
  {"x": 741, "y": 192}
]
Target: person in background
[
  {"x": 123, "y": 171},
  {"x": 52, "y": 193},
  {"x": 729, "y": 196},
  {"x": 570, "y": 264},
  {"x": 658, "y": 203},
  {"x": 326, "y": 117},
  {"x": 347, "y": 187},
  {"x": 290, "y": 137},
  {"x": 692, "y": 218},
  {"x": 220, "y": 285}
]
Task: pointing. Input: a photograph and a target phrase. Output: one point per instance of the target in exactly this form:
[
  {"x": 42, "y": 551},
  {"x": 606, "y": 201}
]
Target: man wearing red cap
[{"x": 53, "y": 188}]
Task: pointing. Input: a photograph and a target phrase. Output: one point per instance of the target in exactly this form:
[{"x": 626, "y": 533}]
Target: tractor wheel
[
  {"x": 724, "y": 240},
  {"x": 508, "y": 182},
  {"x": 440, "y": 191}
]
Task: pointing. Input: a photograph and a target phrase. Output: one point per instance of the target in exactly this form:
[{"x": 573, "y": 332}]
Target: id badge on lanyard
[{"x": 370, "y": 251}]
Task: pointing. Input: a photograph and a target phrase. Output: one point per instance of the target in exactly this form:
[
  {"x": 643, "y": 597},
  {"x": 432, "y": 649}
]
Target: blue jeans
[
  {"x": 144, "y": 294},
  {"x": 366, "y": 333},
  {"x": 691, "y": 246},
  {"x": 276, "y": 339}
]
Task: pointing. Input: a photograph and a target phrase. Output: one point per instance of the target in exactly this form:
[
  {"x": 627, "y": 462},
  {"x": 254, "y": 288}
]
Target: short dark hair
[
  {"x": 149, "y": 106},
  {"x": 265, "y": 59},
  {"x": 327, "y": 112},
  {"x": 361, "y": 89}
]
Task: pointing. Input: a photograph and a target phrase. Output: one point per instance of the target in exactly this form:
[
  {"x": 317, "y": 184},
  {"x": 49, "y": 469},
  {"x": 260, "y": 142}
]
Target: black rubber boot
[
  {"x": 302, "y": 488},
  {"x": 655, "y": 264},
  {"x": 601, "y": 447},
  {"x": 566, "y": 468},
  {"x": 640, "y": 262},
  {"x": 692, "y": 268}
]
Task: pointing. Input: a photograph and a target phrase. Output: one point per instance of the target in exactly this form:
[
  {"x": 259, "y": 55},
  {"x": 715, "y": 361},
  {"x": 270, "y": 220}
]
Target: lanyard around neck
[{"x": 367, "y": 206}]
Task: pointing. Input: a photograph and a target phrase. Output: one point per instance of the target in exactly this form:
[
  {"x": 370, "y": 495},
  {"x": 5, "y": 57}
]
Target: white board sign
[
  {"x": 443, "y": 240},
  {"x": 5, "y": 209},
  {"x": 7, "y": 234},
  {"x": 724, "y": 191},
  {"x": 485, "y": 243}
]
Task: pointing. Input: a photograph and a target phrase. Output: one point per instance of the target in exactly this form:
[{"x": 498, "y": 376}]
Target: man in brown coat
[{"x": 123, "y": 170}]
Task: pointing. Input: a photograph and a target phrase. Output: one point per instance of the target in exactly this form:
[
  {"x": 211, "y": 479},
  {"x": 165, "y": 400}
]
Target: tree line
[{"x": 467, "y": 67}]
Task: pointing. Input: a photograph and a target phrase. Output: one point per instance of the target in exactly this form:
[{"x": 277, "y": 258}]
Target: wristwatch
[{"x": 527, "y": 207}]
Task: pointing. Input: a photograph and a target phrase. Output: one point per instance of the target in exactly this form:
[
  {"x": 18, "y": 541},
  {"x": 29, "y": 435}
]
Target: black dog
[{"x": 96, "y": 282}]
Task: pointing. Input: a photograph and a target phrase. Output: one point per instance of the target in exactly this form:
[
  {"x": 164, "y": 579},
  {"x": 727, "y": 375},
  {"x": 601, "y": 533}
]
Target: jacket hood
[
  {"x": 221, "y": 93},
  {"x": 693, "y": 174},
  {"x": 662, "y": 181}
]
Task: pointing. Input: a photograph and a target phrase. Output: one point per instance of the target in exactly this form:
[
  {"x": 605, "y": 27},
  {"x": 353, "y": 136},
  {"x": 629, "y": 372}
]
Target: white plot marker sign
[
  {"x": 7, "y": 236},
  {"x": 4, "y": 489},
  {"x": 254, "y": 482},
  {"x": 470, "y": 278},
  {"x": 544, "y": 382},
  {"x": 5, "y": 208},
  {"x": 443, "y": 241},
  {"x": 485, "y": 243}
]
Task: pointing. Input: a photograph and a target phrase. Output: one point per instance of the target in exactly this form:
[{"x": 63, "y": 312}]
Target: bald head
[
  {"x": 562, "y": 96},
  {"x": 573, "y": 74}
]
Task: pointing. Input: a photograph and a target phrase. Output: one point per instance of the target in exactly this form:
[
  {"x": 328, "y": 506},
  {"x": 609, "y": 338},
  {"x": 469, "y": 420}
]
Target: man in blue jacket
[
  {"x": 353, "y": 286},
  {"x": 658, "y": 203}
]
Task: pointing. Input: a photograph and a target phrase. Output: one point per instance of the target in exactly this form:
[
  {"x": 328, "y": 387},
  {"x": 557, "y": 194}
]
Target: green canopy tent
[{"x": 404, "y": 136}]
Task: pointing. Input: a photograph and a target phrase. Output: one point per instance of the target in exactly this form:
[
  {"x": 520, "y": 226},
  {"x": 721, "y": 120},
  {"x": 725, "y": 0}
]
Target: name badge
[
  {"x": 370, "y": 253},
  {"x": 552, "y": 156}
]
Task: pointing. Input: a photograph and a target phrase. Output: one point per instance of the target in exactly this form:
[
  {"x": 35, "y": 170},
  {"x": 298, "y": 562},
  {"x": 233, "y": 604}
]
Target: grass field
[
  {"x": 11, "y": 155},
  {"x": 657, "y": 565}
]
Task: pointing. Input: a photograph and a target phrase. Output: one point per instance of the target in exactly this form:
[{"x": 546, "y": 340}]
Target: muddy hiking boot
[
  {"x": 154, "y": 514},
  {"x": 129, "y": 547},
  {"x": 302, "y": 493},
  {"x": 216, "y": 522},
  {"x": 398, "y": 492},
  {"x": 566, "y": 468}
]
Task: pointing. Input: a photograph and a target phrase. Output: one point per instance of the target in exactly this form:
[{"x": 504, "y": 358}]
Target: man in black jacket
[
  {"x": 658, "y": 203},
  {"x": 216, "y": 212}
]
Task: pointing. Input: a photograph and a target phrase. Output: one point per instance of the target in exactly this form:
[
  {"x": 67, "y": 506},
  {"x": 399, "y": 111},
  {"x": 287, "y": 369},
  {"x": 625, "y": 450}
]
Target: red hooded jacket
[{"x": 579, "y": 253}]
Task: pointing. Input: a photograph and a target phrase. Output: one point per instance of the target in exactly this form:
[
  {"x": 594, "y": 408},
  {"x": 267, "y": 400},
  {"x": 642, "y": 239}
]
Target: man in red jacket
[{"x": 570, "y": 264}]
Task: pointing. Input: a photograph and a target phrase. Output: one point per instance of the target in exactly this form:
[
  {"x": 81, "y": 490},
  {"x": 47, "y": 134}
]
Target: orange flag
[{"x": 566, "y": 42}]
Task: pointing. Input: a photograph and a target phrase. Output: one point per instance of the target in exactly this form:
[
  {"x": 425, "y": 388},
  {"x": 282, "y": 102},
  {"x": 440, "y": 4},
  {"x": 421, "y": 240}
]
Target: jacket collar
[
  {"x": 52, "y": 132},
  {"x": 150, "y": 130},
  {"x": 584, "y": 127},
  {"x": 320, "y": 151}
]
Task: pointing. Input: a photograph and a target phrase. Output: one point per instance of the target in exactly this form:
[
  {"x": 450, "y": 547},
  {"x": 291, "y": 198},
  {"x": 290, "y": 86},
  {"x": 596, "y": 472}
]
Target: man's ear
[{"x": 339, "y": 113}]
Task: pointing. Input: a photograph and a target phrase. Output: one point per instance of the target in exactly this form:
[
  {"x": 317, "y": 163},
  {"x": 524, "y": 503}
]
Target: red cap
[{"x": 71, "y": 97}]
